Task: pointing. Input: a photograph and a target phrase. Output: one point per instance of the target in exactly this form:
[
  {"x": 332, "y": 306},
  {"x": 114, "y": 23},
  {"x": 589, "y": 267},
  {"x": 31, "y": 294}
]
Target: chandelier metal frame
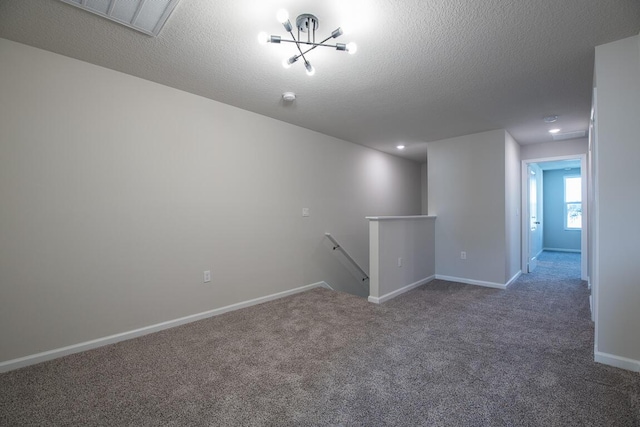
[{"x": 305, "y": 23}]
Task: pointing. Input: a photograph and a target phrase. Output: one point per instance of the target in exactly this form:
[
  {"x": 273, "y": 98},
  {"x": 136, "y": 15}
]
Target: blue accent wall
[{"x": 554, "y": 235}]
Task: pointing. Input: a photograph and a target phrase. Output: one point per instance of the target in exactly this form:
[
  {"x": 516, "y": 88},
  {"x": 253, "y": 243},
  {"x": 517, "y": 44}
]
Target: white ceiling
[{"x": 425, "y": 70}]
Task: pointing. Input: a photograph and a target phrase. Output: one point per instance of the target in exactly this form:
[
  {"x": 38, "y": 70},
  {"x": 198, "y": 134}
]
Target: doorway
[{"x": 533, "y": 209}]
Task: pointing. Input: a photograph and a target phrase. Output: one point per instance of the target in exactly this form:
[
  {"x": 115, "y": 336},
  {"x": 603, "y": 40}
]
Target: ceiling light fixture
[
  {"x": 305, "y": 23},
  {"x": 550, "y": 119},
  {"x": 400, "y": 147},
  {"x": 552, "y": 131}
]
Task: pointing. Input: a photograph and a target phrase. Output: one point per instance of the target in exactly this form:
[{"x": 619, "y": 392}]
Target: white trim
[
  {"x": 472, "y": 282},
  {"x": 617, "y": 361},
  {"x": 320, "y": 285},
  {"x": 32, "y": 359},
  {"x": 390, "y": 295},
  {"x": 513, "y": 279},
  {"x": 575, "y": 251},
  {"x": 384, "y": 218}
]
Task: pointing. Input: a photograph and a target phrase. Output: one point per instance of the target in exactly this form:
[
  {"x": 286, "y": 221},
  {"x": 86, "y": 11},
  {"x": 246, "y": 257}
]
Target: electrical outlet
[
  {"x": 399, "y": 262},
  {"x": 463, "y": 255},
  {"x": 207, "y": 276}
]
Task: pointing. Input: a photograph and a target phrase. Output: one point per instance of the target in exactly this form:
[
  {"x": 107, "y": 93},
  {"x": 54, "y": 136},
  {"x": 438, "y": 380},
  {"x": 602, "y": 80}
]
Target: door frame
[
  {"x": 524, "y": 228},
  {"x": 539, "y": 209}
]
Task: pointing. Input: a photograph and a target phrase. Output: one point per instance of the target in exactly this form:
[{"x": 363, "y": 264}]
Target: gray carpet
[{"x": 444, "y": 354}]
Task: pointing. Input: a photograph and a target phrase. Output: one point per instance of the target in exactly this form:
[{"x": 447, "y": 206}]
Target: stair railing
[{"x": 336, "y": 246}]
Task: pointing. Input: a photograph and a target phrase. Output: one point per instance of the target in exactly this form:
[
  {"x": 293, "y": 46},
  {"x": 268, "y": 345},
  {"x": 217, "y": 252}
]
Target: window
[{"x": 572, "y": 203}]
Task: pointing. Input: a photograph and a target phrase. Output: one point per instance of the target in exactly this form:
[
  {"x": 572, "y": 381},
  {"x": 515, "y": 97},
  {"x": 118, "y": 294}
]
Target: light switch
[{"x": 305, "y": 212}]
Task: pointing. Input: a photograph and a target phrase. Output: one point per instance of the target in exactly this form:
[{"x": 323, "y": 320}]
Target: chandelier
[{"x": 305, "y": 23}]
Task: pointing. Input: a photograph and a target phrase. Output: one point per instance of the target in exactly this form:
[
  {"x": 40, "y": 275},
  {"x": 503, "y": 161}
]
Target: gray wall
[
  {"x": 467, "y": 192},
  {"x": 425, "y": 189},
  {"x": 554, "y": 149},
  {"x": 617, "y": 150},
  {"x": 410, "y": 239},
  {"x": 554, "y": 234},
  {"x": 117, "y": 193},
  {"x": 513, "y": 190}
]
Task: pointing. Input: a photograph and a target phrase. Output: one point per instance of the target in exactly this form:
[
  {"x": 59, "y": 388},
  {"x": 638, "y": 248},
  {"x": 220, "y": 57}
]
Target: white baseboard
[
  {"x": 617, "y": 361},
  {"x": 513, "y": 279},
  {"x": 472, "y": 282},
  {"x": 21, "y": 362},
  {"x": 577, "y": 251},
  {"x": 390, "y": 295}
]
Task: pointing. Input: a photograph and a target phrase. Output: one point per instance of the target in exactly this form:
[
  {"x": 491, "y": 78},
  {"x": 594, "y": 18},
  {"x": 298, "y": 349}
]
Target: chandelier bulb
[
  {"x": 288, "y": 62},
  {"x": 282, "y": 16},
  {"x": 352, "y": 48},
  {"x": 310, "y": 70},
  {"x": 337, "y": 33},
  {"x": 263, "y": 38}
]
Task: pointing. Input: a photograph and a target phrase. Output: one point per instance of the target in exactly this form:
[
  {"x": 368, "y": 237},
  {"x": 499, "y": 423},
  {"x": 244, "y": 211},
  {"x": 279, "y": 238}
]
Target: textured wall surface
[
  {"x": 117, "y": 193},
  {"x": 443, "y": 68},
  {"x": 467, "y": 194},
  {"x": 404, "y": 253},
  {"x": 554, "y": 149},
  {"x": 512, "y": 206},
  {"x": 617, "y": 183}
]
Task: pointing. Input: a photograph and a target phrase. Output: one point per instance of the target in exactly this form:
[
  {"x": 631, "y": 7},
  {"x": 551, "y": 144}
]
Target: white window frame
[{"x": 571, "y": 202}]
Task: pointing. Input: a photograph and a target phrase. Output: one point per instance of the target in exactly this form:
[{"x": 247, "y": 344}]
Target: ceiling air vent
[
  {"x": 146, "y": 16},
  {"x": 569, "y": 135}
]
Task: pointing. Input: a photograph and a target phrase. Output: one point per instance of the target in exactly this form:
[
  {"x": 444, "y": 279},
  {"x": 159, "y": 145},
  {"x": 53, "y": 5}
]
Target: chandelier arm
[
  {"x": 315, "y": 45},
  {"x": 308, "y": 44},
  {"x": 322, "y": 43},
  {"x": 297, "y": 45}
]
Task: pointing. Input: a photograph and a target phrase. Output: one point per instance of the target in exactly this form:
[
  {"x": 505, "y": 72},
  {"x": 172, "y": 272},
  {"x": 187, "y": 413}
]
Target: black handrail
[{"x": 336, "y": 245}]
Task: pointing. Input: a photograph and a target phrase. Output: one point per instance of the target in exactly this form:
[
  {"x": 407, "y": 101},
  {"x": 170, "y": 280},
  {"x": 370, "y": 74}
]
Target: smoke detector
[
  {"x": 550, "y": 119},
  {"x": 289, "y": 96}
]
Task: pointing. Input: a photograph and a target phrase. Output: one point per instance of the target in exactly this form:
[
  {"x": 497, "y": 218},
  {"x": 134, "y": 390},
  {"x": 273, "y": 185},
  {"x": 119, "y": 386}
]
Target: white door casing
[{"x": 534, "y": 192}]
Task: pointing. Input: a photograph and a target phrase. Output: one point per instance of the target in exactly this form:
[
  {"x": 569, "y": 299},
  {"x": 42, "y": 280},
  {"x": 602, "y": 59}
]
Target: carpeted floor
[{"x": 444, "y": 354}]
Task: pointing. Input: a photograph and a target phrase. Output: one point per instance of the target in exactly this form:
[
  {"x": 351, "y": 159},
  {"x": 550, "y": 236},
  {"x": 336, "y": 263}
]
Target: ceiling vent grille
[
  {"x": 146, "y": 16},
  {"x": 569, "y": 135}
]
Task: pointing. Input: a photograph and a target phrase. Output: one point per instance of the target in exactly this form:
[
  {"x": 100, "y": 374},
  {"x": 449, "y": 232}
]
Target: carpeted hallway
[{"x": 444, "y": 354}]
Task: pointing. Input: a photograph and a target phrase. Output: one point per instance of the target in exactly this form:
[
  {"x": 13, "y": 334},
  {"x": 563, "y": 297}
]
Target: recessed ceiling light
[
  {"x": 289, "y": 96},
  {"x": 400, "y": 147},
  {"x": 552, "y": 131},
  {"x": 550, "y": 119}
]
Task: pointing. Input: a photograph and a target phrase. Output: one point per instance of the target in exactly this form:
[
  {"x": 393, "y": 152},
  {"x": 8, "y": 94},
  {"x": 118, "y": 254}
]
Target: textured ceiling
[{"x": 425, "y": 70}]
